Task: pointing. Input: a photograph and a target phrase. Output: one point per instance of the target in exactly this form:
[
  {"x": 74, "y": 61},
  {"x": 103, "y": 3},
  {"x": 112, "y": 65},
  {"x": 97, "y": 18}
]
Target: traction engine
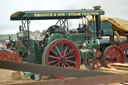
[{"x": 92, "y": 43}]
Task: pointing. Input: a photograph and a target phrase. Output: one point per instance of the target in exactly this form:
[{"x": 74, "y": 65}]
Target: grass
[{"x": 6, "y": 37}]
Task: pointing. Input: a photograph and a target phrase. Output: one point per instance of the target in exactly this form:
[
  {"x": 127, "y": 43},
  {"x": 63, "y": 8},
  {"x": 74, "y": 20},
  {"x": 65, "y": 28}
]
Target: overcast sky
[{"x": 113, "y": 8}]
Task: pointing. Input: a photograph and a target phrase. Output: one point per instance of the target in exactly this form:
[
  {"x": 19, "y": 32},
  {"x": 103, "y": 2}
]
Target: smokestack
[{"x": 98, "y": 24}]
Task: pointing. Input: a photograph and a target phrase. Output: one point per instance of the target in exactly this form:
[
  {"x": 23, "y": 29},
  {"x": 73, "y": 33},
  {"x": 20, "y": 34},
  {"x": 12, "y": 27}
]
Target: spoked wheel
[
  {"x": 112, "y": 54},
  {"x": 93, "y": 60},
  {"x": 61, "y": 53}
]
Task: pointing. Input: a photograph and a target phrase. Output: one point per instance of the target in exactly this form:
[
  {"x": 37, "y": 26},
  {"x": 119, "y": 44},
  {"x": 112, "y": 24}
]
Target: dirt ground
[{"x": 5, "y": 78}]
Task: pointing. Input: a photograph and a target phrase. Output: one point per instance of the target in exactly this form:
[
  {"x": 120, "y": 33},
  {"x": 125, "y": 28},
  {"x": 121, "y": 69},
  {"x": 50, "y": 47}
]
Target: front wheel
[
  {"x": 61, "y": 53},
  {"x": 112, "y": 54}
]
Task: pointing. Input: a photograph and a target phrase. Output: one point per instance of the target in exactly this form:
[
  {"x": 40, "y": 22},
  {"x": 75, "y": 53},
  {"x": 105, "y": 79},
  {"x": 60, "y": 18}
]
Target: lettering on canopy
[{"x": 65, "y": 14}]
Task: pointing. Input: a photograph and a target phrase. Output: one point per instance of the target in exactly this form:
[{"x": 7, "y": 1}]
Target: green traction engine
[{"x": 65, "y": 47}]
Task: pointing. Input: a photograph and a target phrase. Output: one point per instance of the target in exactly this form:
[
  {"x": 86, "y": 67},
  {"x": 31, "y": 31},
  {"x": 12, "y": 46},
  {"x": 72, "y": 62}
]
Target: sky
[{"x": 112, "y": 8}]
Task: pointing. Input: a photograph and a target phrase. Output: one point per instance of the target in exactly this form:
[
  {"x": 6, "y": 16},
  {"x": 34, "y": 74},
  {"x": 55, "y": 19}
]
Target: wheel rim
[
  {"x": 113, "y": 54},
  {"x": 63, "y": 53}
]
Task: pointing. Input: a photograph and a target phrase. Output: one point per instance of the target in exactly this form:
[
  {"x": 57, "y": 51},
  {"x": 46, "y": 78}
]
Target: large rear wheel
[{"x": 61, "y": 53}]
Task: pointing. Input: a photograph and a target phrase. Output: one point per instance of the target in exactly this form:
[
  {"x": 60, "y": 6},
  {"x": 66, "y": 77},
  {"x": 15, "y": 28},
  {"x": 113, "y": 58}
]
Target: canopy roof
[
  {"x": 121, "y": 25},
  {"x": 54, "y": 14}
]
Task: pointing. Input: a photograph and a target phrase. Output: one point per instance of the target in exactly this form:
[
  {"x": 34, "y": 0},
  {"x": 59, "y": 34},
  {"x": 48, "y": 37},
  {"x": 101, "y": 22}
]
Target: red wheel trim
[
  {"x": 68, "y": 44},
  {"x": 77, "y": 59},
  {"x": 114, "y": 54}
]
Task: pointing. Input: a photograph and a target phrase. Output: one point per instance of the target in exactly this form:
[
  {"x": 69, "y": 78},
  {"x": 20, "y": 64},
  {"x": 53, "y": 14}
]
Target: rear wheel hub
[
  {"x": 115, "y": 59},
  {"x": 63, "y": 59}
]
